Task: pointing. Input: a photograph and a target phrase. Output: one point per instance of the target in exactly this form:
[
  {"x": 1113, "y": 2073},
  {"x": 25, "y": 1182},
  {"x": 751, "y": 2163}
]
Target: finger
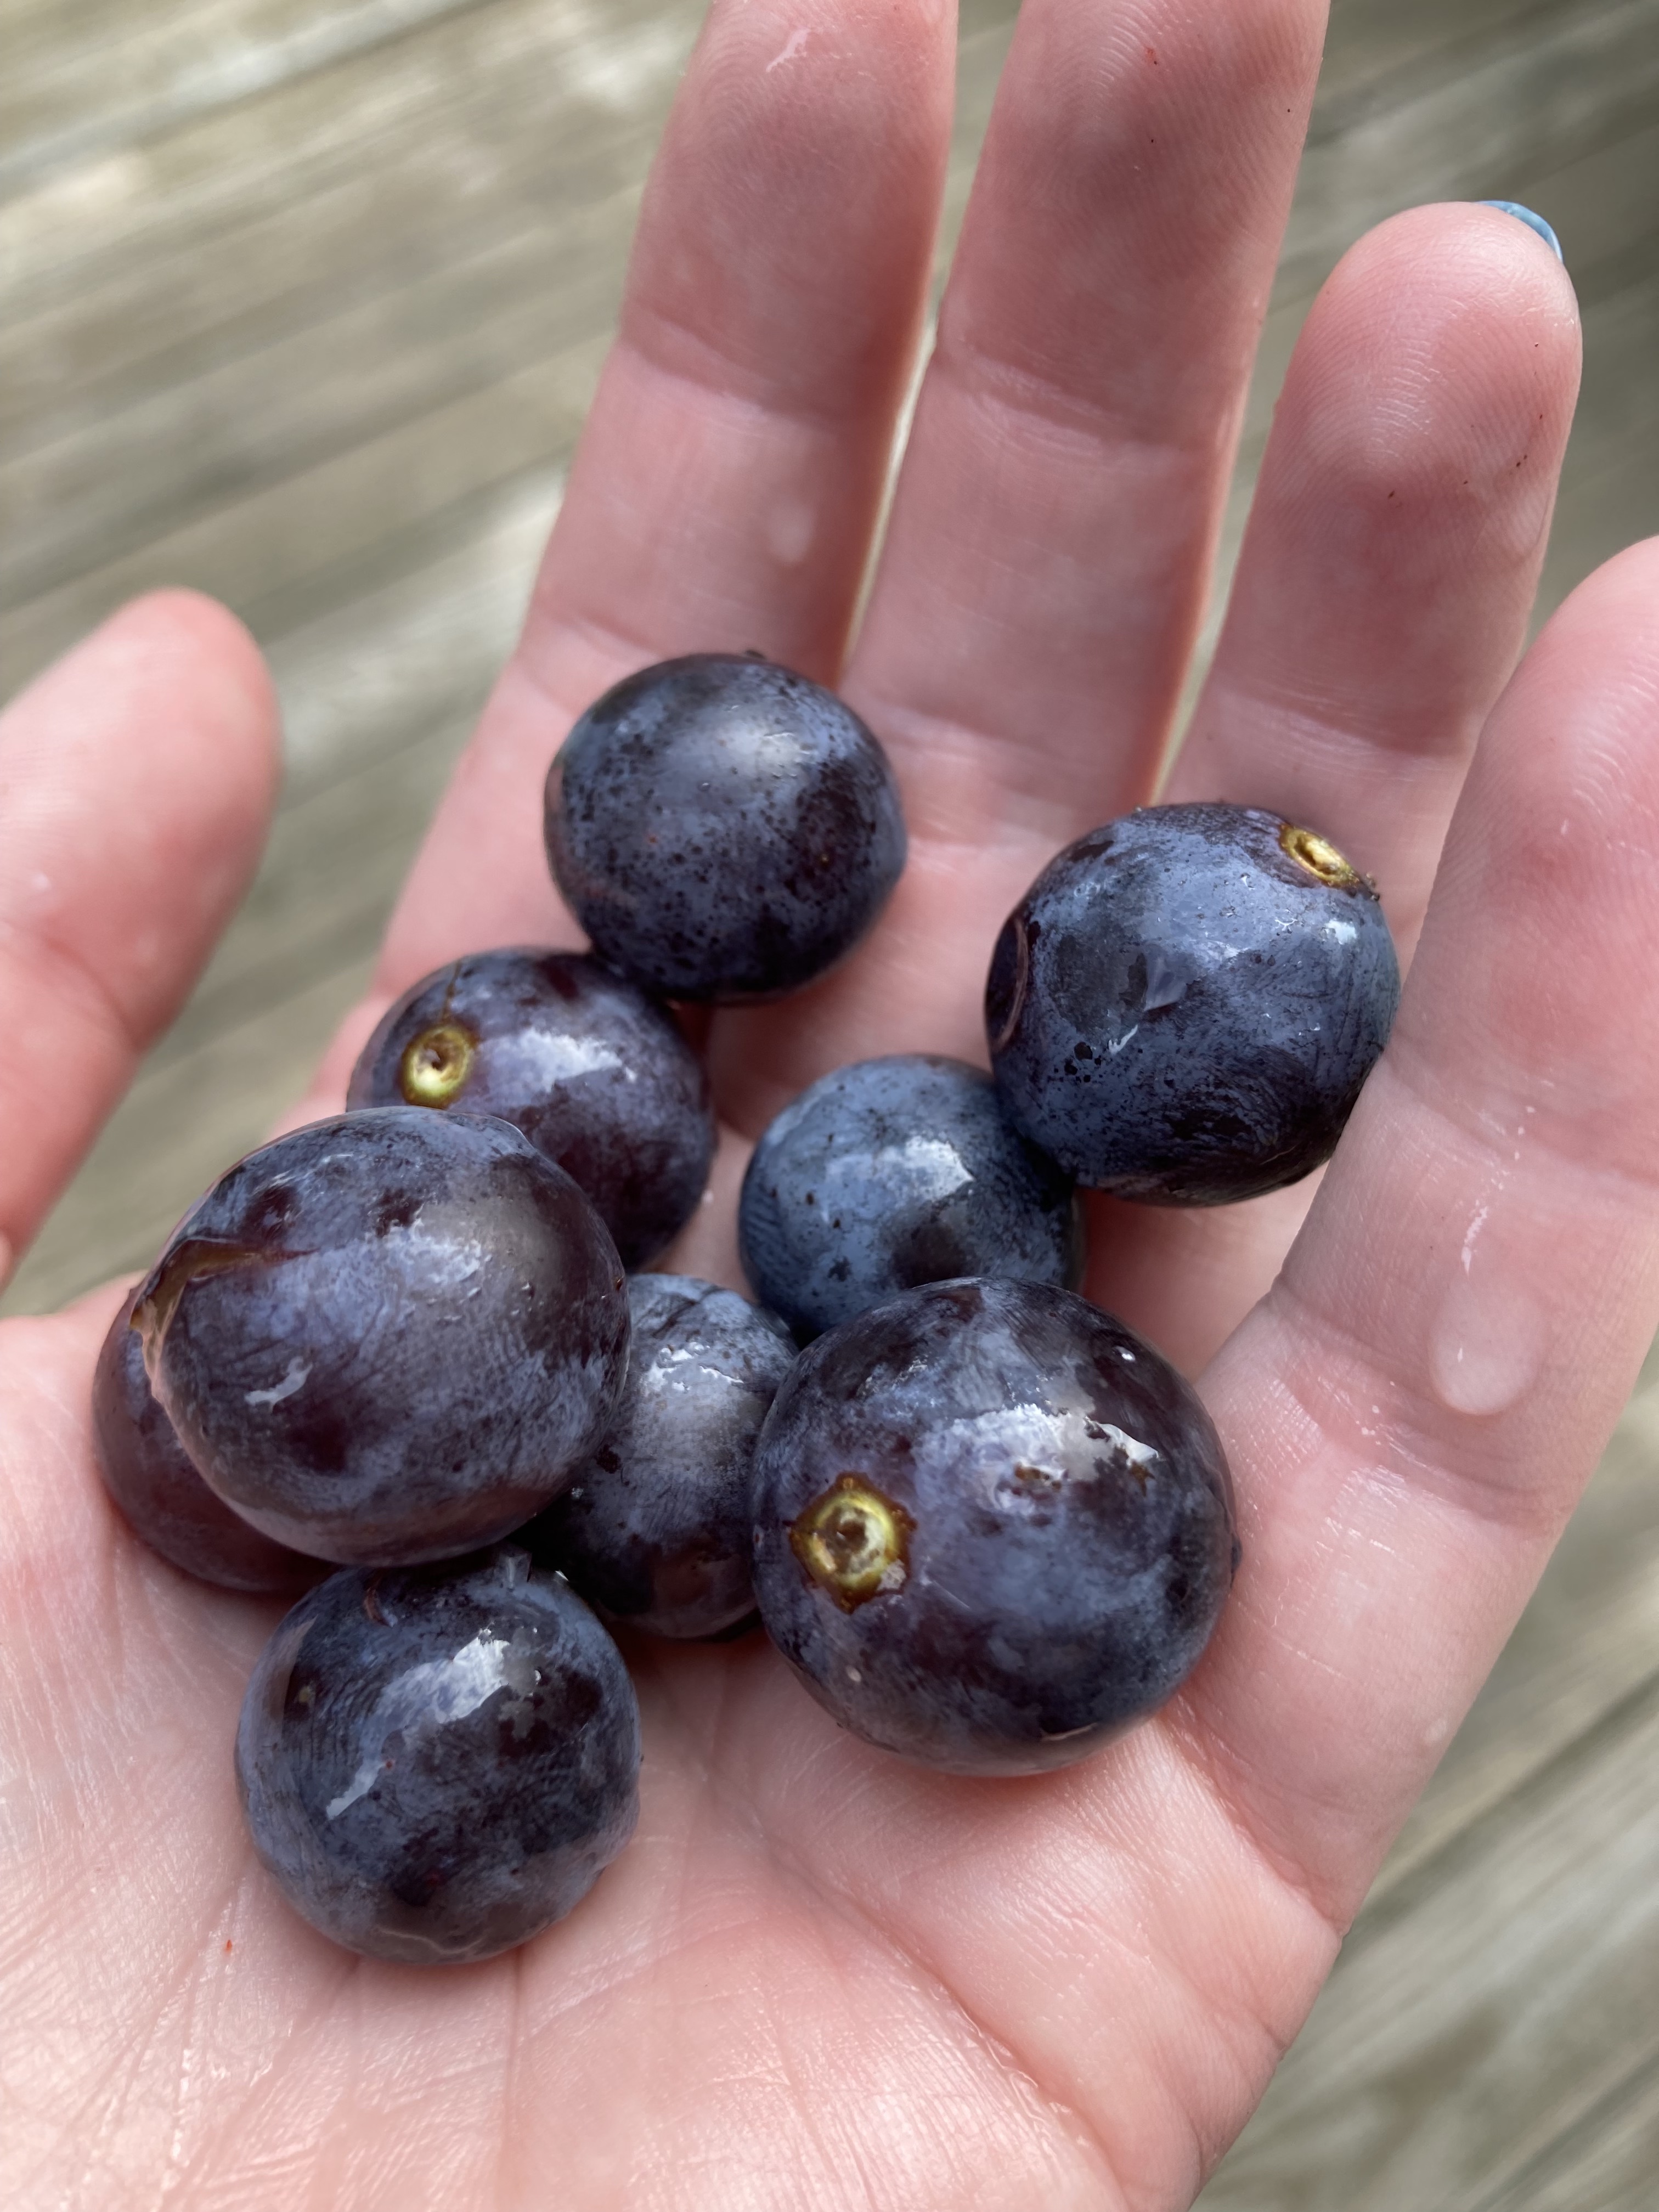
[
  {"x": 137, "y": 778},
  {"x": 1044, "y": 568},
  {"x": 732, "y": 464},
  {"x": 1414, "y": 1410},
  {"x": 1381, "y": 602},
  {"x": 1394, "y": 541}
]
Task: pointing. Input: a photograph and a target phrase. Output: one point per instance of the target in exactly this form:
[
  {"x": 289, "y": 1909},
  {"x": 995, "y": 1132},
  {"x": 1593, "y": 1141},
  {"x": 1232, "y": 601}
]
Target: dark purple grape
[
  {"x": 389, "y": 1336},
  {"x": 594, "y": 1072},
  {"x": 894, "y": 1172},
  {"x": 655, "y": 1527},
  {"x": 723, "y": 829},
  {"x": 1184, "y": 1007},
  {"x": 436, "y": 1763},
  {"x": 153, "y": 1479},
  {"x": 993, "y": 1528}
]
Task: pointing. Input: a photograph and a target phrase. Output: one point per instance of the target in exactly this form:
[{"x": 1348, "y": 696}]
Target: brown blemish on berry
[
  {"x": 853, "y": 1541},
  {"x": 187, "y": 1263},
  {"x": 1023, "y": 1473}
]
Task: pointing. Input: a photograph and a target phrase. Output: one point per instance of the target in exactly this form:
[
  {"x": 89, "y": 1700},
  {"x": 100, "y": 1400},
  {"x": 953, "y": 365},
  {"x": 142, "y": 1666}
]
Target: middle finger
[{"x": 1045, "y": 567}]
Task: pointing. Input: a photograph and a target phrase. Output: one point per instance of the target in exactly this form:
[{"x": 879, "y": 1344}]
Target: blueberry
[
  {"x": 153, "y": 1479},
  {"x": 389, "y": 1336},
  {"x": 655, "y": 1527},
  {"x": 723, "y": 829},
  {"x": 435, "y": 1763},
  {"x": 594, "y": 1072},
  {"x": 894, "y": 1172},
  {"x": 1184, "y": 1007},
  {"x": 993, "y": 1528}
]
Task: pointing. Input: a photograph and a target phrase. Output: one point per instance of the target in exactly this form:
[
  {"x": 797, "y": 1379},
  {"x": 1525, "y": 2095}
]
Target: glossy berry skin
[
  {"x": 435, "y": 1763},
  {"x": 654, "y": 1529},
  {"x": 594, "y": 1072},
  {"x": 889, "y": 1173},
  {"x": 1184, "y": 1007},
  {"x": 389, "y": 1336},
  {"x": 723, "y": 829},
  {"x": 993, "y": 1528},
  {"x": 153, "y": 1479}
]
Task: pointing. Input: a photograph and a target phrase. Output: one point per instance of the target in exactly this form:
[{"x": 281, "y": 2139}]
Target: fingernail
[{"x": 1532, "y": 222}]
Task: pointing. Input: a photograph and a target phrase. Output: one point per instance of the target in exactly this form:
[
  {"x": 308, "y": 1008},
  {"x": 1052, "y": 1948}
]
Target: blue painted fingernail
[{"x": 1532, "y": 222}]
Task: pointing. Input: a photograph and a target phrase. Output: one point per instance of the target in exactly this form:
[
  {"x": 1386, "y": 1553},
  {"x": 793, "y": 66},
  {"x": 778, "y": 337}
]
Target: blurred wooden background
[{"x": 306, "y": 299}]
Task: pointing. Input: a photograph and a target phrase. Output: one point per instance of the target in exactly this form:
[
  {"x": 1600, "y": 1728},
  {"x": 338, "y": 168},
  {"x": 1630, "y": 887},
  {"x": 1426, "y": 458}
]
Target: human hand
[{"x": 816, "y": 1977}]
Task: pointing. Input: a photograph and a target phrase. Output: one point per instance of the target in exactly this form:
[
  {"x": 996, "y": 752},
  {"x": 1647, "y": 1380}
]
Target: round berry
[
  {"x": 894, "y": 1172},
  {"x": 595, "y": 1073},
  {"x": 992, "y": 1528},
  {"x": 654, "y": 1529},
  {"x": 436, "y": 1763},
  {"x": 1184, "y": 1007},
  {"x": 389, "y": 1336},
  {"x": 723, "y": 829}
]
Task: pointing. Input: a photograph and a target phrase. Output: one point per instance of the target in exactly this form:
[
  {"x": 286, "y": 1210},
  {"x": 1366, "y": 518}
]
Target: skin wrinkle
[
  {"x": 928, "y": 1965},
  {"x": 787, "y": 1861},
  {"x": 707, "y": 378},
  {"x": 1072, "y": 419},
  {"x": 921, "y": 1979},
  {"x": 928, "y": 1975},
  {"x": 1001, "y": 819},
  {"x": 548, "y": 641},
  {"x": 69, "y": 972},
  {"x": 1250, "y": 2017}
]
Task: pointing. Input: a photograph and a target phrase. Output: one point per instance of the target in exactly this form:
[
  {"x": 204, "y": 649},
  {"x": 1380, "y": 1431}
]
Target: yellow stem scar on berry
[
  {"x": 434, "y": 1067},
  {"x": 1318, "y": 856},
  {"x": 853, "y": 1541}
]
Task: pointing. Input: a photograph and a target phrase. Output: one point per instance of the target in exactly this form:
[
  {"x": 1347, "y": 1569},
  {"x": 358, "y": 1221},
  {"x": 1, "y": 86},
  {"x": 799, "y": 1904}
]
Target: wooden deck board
[
  {"x": 307, "y": 300},
  {"x": 1605, "y": 2163}
]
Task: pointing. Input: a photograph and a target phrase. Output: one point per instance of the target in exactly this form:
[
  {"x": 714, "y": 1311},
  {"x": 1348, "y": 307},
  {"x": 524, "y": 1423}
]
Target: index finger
[{"x": 732, "y": 466}]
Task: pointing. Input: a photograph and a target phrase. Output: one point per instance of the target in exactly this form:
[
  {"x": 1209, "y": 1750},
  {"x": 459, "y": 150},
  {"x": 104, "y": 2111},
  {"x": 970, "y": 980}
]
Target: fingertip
[
  {"x": 180, "y": 642},
  {"x": 1459, "y": 289},
  {"x": 1431, "y": 391},
  {"x": 1535, "y": 223},
  {"x": 172, "y": 677}
]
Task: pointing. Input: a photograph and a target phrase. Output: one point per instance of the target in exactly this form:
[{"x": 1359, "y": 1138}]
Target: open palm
[{"x": 819, "y": 1978}]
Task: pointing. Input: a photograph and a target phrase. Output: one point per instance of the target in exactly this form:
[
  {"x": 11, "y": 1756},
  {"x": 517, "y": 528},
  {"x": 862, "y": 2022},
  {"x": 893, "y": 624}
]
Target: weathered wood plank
[
  {"x": 137, "y": 473},
  {"x": 1607, "y": 2162},
  {"x": 285, "y": 554},
  {"x": 122, "y": 475},
  {"x": 1605, "y": 208},
  {"x": 1484, "y": 2008},
  {"x": 488, "y": 69},
  {"x": 113, "y": 489},
  {"x": 133, "y": 72},
  {"x": 1383, "y": 49},
  {"x": 149, "y": 292},
  {"x": 1541, "y": 98}
]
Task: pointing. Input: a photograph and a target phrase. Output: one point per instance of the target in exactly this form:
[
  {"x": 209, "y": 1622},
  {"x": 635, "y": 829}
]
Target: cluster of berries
[{"x": 990, "y": 1526}]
